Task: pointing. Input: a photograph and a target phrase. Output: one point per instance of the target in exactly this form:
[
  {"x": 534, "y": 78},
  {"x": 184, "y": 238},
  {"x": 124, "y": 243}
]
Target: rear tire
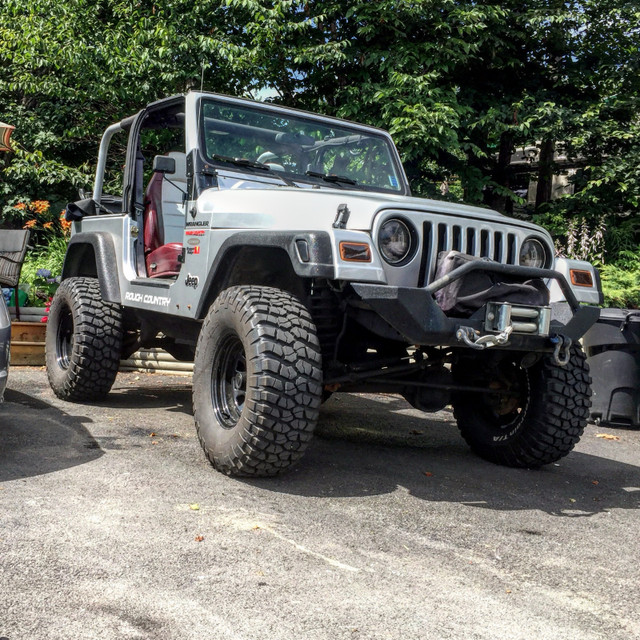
[
  {"x": 83, "y": 341},
  {"x": 257, "y": 381},
  {"x": 540, "y": 424}
]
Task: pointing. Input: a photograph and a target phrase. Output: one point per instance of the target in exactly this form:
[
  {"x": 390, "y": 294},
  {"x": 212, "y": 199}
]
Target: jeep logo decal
[
  {"x": 194, "y": 242},
  {"x": 192, "y": 281}
]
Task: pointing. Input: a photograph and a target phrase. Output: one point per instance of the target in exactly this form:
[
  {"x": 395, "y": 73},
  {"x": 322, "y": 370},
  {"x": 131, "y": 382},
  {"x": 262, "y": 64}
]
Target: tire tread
[
  {"x": 554, "y": 420},
  {"x": 95, "y": 358},
  {"x": 281, "y": 408}
]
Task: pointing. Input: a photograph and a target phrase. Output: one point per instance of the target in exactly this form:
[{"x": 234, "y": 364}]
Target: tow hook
[
  {"x": 473, "y": 339},
  {"x": 561, "y": 352}
]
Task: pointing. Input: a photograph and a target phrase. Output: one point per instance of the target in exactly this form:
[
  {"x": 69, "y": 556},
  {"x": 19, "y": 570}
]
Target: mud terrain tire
[
  {"x": 83, "y": 341},
  {"x": 539, "y": 427},
  {"x": 257, "y": 381}
]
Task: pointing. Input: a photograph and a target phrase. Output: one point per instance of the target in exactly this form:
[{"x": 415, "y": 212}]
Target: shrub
[
  {"x": 43, "y": 263},
  {"x": 621, "y": 281}
]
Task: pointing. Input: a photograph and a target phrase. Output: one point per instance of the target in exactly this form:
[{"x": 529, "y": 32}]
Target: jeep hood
[{"x": 302, "y": 209}]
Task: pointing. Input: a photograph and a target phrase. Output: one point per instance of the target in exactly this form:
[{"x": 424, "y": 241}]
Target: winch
[{"x": 521, "y": 319}]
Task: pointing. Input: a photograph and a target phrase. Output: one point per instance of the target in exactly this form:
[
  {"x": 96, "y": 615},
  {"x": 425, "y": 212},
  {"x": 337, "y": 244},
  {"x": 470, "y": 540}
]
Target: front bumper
[{"x": 414, "y": 315}]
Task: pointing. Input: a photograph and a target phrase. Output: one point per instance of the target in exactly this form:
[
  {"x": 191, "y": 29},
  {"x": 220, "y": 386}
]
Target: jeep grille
[{"x": 500, "y": 245}]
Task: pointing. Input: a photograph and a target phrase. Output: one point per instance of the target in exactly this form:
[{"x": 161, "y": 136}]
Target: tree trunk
[
  {"x": 502, "y": 175},
  {"x": 545, "y": 172}
]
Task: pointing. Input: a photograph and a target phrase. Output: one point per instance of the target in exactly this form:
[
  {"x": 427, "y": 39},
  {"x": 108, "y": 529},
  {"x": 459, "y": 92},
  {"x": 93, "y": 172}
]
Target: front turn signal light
[
  {"x": 581, "y": 278},
  {"x": 355, "y": 252}
]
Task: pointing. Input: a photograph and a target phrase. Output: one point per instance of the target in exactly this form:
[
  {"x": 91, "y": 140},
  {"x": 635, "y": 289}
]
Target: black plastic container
[{"x": 612, "y": 346}]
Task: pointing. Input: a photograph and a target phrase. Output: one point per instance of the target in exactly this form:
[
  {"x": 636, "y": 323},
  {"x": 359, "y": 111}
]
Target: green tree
[
  {"x": 460, "y": 84},
  {"x": 71, "y": 67}
]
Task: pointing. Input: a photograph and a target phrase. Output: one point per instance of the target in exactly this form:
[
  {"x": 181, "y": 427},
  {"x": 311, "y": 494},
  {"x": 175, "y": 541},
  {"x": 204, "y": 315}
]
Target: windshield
[{"x": 298, "y": 148}]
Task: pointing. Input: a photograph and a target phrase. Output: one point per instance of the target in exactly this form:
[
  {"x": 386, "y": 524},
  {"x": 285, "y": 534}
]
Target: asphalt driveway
[{"x": 114, "y": 526}]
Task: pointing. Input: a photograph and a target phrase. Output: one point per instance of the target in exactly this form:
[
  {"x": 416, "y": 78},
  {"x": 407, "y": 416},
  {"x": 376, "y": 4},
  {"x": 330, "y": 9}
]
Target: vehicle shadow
[
  {"x": 175, "y": 399},
  {"x": 38, "y": 438},
  {"x": 375, "y": 446}
]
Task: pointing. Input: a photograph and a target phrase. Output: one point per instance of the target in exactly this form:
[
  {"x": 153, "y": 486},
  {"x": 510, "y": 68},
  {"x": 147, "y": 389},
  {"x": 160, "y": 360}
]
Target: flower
[
  {"x": 43, "y": 273},
  {"x": 47, "y": 225},
  {"x": 21, "y": 205},
  {"x": 47, "y": 306},
  {"x": 40, "y": 206},
  {"x": 30, "y": 224},
  {"x": 64, "y": 223}
]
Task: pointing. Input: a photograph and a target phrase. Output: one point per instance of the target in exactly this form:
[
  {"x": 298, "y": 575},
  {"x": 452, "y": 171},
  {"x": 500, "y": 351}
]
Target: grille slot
[
  {"x": 497, "y": 248},
  {"x": 457, "y": 238},
  {"x": 511, "y": 253},
  {"x": 471, "y": 241},
  {"x": 443, "y": 238},
  {"x": 484, "y": 244}
]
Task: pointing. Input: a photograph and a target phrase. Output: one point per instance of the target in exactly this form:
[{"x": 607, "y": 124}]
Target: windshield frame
[{"x": 326, "y": 121}]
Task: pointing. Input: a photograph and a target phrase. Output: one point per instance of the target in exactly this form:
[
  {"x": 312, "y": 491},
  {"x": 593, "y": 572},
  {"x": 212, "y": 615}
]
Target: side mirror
[
  {"x": 80, "y": 209},
  {"x": 164, "y": 164}
]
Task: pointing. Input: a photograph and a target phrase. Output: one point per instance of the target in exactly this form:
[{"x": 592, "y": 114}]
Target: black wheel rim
[
  {"x": 229, "y": 381},
  {"x": 507, "y": 411},
  {"x": 64, "y": 338}
]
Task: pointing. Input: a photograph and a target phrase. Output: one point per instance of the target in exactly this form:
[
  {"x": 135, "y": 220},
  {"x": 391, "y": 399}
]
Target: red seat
[{"x": 162, "y": 260}]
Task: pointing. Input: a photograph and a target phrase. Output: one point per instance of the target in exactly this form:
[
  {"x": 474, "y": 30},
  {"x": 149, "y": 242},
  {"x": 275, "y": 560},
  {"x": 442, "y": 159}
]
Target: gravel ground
[{"x": 114, "y": 526}]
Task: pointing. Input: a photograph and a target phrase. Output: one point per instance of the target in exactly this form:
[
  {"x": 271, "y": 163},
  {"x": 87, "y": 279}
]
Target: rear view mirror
[{"x": 164, "y": 164}]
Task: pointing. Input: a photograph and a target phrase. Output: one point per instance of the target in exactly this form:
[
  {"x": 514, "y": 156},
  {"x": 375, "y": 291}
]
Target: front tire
[
  {"x": 83, "y": 341},
  {"x": 257, "y": 381},
  {"x": 540, "y": 423}
]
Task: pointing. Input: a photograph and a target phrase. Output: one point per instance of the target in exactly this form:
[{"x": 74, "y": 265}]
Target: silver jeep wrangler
[{"x": 282, "y": 253}]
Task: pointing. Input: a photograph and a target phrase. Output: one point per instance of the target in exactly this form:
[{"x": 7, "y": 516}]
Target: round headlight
[
  {"x": 394, "y": 241},
  {"x": 533, "y": 253}
]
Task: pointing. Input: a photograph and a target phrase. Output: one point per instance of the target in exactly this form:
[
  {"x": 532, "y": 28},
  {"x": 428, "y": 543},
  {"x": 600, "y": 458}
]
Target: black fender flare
[
  {"x": 310, "y": 253},
  {"x": 93, "y": 255}
]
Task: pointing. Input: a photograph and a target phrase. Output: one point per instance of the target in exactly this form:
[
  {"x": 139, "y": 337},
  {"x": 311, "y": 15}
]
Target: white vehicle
[
  {"x": 282, "y": 252},
  {"x": 13, "y": 247},
  {"x": 5, "y": 344}
]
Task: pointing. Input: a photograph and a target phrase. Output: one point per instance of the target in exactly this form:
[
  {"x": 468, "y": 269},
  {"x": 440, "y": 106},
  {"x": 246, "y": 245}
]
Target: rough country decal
[
  {"x": 194, "y": 232},
  {"x": 192, "y": 281},
  {"x": 147, "y": 298},
  {"x": 198, "y": 223}
]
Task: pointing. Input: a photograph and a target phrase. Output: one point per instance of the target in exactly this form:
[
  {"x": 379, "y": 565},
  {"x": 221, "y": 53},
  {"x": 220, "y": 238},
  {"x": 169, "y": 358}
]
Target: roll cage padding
[{"x": 152, "y": 221}]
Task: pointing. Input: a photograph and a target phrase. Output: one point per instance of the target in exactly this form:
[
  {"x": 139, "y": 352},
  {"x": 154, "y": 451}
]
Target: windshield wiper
[
  {"x": 241, "y": 162},
  {"x": 329, "y": 177},
  {"x": 254, "y": 164}
]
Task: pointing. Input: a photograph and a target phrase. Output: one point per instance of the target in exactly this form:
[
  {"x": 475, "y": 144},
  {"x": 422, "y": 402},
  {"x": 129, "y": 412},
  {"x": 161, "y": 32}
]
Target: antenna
[
  {"x": 201, "y": 136},
  {"x": 201, "y": 89}
]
